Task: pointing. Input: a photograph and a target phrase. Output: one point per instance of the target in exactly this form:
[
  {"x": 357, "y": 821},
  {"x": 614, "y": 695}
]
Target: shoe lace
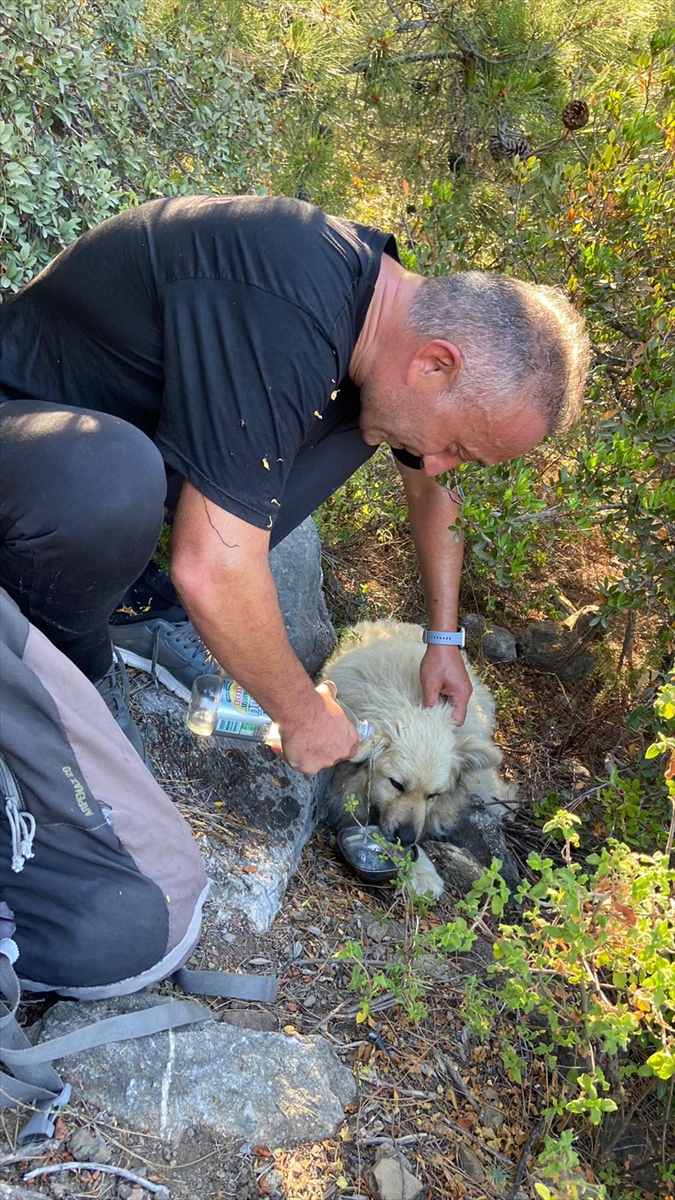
[
  {"x": 186, "y": 639},
  {"x": 114, "y": 685}
]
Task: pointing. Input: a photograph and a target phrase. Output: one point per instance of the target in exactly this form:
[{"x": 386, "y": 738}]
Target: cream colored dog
[{"x": 420, "y": 769}]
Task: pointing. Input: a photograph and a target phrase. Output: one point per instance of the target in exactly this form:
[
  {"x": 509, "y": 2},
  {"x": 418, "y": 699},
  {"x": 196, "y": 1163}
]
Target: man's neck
[{"x": 386, "y": 316}]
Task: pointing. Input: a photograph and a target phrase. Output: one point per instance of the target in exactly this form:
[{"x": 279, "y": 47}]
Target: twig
[
  {"x": 665, "y": 1123},
  {"x": 518, "y": 1180},
  {"x": 158, "y": 1188},
  {"x": 408, "y": 1139},
  {"x": 534, "y": 1136}
]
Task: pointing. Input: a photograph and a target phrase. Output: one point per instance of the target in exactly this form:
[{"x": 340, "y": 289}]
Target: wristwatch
[{"x": 434, "y": 637}]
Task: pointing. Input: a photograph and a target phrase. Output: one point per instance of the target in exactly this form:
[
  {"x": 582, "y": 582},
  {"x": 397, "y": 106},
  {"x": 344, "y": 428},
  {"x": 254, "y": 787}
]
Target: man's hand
[
  {"x": 443, "y": 673},
  {"x": 319, "y": 738}
]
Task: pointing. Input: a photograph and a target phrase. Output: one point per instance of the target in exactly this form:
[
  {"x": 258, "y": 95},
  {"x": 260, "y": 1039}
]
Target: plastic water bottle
[{"x": 220, "y": 707}]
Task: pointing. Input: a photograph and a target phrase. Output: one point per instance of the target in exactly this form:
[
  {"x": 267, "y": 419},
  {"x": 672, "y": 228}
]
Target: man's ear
[{"x": 437, "y": 357}]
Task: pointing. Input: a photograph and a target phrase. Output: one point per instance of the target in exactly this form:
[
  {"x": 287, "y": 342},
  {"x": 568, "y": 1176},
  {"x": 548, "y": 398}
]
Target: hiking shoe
[
  {"x": 174, "y": 654},
  {"x": 114, "y": 688},
  {"x": 152, "y": 596}
]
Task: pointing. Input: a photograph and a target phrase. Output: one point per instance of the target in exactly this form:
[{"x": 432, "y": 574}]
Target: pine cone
[
  {"x": 507, "y": 143},
  {"x": 575, "y": 114}
]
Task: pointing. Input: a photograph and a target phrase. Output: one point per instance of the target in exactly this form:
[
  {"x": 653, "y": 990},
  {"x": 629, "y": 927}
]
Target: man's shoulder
[{"x": 236, "y": 235}]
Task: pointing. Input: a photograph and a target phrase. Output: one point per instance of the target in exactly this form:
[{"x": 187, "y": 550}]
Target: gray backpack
[{"x": 101, "y": 883}]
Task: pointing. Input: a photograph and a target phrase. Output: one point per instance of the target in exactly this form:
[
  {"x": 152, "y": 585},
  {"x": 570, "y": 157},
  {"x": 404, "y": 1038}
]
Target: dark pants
[{"x": 82, "y": 499}]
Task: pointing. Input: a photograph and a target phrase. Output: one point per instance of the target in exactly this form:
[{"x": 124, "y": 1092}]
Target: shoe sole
[{"x": 145, "y": 664}]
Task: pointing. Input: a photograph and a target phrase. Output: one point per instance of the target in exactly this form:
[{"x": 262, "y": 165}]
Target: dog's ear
[{"x": 476, "y": 753}]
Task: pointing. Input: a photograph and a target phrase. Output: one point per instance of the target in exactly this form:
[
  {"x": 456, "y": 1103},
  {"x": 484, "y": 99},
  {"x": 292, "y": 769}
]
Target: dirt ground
[{"x": 434, "y": 1093}]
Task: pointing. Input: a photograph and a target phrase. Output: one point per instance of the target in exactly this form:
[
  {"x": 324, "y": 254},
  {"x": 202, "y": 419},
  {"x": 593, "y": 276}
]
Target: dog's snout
[{"x": 406, "y": 834}]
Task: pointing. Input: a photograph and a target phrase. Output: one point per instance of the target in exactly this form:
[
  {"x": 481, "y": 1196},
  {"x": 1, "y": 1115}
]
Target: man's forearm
[
  {"x": 220, "y": 569},
  {"x": 439, "y": 551},
  {"x": 240, "y": 622}
]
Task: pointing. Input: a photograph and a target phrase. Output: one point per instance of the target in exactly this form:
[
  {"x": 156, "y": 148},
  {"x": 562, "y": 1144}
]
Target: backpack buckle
[{"x": 42, "y": 1124}]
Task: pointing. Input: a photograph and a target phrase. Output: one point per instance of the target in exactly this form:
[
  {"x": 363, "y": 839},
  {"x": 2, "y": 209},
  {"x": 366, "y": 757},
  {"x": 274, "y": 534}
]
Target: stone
[
  {"x": 475, "y": 838},
  {"x": 491, "y": 1117},
  {"x": 10, "y": 1191},
  {"x": 391, "y": 1180},
  {"x": 498, "y": 645},
  {"x": 250, "y": 859},
  {"x": 547, "y": 646},
  {"x": 473, "y": 624},
  {"x": 470, "y": 1164},
  {"x": 249, "y": 1018},
  {"x": 86, "y": 1145},
  {"x": 584, "y": 623},
  {"x": 296, "y": 566},
  {"x": 252, "y": 853},
  {"x": 269, "y": 1089}
]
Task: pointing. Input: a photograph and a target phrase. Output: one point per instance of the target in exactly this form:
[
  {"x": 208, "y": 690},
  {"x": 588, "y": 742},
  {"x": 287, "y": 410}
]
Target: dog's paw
[{"x": 424, "y": 878}]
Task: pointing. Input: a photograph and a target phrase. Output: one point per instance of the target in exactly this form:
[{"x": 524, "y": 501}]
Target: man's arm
[
  {"x": 432, "y": 512},
  {"x": 220, "y": 569}
]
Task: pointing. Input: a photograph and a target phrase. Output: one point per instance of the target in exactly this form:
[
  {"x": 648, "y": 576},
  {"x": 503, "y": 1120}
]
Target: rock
[
  {"x": 474, "y": 625},
  {"x": 252, "y": 855},
  {"x": 480, "y": 838},
  {"x": 391, "y": 1180},
  {"x": 548, "y": 646},
  {"x": 470, "y": 1165},
  {"x": 498, "y": 645},
  {"x": 296, "y": 566},
  {"x": 9, "y": 1191},
  {"x": 456, "y": 867},
  {"x": 86, "y": 1145},
  {"x": 249, "y": 1018},
  {"x": 265, "y": 1088},
  {"x": 491, "y": 1117},
  {"x": 584, "y": 624}
]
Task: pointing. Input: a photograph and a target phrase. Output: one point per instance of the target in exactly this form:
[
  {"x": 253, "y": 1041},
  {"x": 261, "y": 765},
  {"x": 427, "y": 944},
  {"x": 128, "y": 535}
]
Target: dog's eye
[
  {"x": 395, "y": 784},
  {"x": 433, "y": 796}
]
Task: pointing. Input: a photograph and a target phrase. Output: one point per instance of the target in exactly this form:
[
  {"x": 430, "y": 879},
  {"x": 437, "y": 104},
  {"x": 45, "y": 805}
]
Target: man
[{"x": 265, "y": 349}]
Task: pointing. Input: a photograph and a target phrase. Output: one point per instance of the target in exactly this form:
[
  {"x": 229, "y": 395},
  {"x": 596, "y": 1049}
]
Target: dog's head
[{"x": 416, "y": 768}]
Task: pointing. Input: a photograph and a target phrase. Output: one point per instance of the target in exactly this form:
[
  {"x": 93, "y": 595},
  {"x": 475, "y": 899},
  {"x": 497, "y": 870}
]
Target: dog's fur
[{"x": 420, "y": 769}]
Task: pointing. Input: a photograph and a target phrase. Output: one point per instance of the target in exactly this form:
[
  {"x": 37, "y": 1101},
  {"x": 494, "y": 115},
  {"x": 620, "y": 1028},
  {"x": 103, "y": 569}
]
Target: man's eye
[{"x": 395, "y": 784}]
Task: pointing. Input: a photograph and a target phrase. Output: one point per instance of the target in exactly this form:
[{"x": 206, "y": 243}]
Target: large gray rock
[
  {"x": 548, "y": 646},
  {"x": 266, "y": 1088},
  {"x": 254, "y": 813},
  {"x": 296, "y": 567},
  {"x": 497, "y": 644},
  {"x": 472, "y": 841}
]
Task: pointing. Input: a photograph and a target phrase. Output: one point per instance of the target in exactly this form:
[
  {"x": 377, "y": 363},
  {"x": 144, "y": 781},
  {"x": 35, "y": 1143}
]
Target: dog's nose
[{"x": 407, "y": 835}]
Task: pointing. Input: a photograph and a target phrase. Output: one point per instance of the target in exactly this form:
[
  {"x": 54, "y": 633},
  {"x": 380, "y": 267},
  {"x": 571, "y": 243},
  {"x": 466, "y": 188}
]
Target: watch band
[{"x": 436, "y": 637}]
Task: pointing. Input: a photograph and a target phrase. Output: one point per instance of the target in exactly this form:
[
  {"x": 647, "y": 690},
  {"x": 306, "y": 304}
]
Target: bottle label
[
  {"x": 234, "y": 727},
  {"x": 234, "y": 695}
]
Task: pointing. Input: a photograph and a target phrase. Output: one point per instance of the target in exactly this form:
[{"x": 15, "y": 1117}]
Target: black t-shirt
[{"x": 222, "y": 327}]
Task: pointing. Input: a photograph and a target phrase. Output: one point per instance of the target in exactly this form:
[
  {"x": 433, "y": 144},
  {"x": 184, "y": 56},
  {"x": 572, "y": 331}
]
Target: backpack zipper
[{"x": 21, "y": 822}]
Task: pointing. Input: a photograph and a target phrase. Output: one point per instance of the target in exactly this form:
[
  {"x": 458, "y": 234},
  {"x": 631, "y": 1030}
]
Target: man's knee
[{"x": 89, "y": 475}]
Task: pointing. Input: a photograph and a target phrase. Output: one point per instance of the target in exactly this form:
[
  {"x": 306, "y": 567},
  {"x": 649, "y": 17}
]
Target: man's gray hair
[{"x": 518, "y": 341}]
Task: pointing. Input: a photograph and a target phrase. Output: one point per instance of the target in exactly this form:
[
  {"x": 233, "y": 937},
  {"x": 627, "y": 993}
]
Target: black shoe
[
  {"x": 114, "y": 688},
  {"x": 174, "y": 654},
  {"x": 152, "y": 595}
]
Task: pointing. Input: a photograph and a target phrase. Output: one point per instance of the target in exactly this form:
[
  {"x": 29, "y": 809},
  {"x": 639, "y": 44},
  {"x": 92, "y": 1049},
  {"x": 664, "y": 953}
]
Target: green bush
[{"x": 98, "y": 113}]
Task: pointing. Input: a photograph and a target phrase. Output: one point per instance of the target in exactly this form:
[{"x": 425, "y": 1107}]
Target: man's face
[{"x": 445, "y": 432}]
